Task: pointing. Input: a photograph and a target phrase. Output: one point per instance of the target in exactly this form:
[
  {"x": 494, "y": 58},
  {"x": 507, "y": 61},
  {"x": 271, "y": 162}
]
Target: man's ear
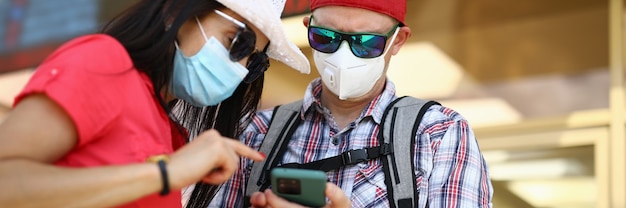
[
  {"x": 403, "y": 35},
  {"x": 305, "y": 21}
]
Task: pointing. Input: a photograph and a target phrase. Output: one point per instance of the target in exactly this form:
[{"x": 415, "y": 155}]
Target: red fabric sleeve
[{"x": 81, "y": 77}]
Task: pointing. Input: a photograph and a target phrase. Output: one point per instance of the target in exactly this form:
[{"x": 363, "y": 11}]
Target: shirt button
[
  {"x": 335, "y": 141},
  {"x": 54, "y": 72}
]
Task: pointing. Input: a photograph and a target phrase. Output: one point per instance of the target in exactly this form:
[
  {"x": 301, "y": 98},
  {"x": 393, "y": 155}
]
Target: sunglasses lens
[
  {"x": 362, "y": 45},
  {"x": 258, "y": 63},
  {"x": 323, "y": 40},
  {"x": 368, "y": 46},
  {"x": 242, "y": 45}
]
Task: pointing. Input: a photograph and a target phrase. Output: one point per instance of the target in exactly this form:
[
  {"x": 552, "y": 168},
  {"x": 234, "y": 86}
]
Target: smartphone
[{"x": 305, "y": 187}]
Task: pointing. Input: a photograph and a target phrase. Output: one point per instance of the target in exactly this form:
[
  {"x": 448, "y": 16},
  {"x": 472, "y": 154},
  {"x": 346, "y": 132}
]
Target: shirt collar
[{"x": 375, "y": 108}]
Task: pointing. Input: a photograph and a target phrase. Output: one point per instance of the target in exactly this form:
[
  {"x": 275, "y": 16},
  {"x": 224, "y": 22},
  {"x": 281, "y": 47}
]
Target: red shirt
[{"x": 113, "y": 106}]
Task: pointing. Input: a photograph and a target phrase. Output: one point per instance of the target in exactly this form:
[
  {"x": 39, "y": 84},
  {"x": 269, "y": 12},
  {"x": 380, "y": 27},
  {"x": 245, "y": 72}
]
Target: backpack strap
[
  {"x": 283, "y": 123},
  {"x": 398, "y": 128},
  {"x": 350, "y": 157}
]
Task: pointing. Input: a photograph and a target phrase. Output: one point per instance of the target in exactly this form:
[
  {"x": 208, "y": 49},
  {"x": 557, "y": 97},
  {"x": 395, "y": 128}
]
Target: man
[{"x": 343, "y": 110}]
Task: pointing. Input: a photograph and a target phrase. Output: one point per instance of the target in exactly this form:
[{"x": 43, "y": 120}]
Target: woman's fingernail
[{"x": 262, "y": 154}]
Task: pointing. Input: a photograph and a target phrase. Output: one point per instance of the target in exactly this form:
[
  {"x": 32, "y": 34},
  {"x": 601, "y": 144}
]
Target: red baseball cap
[{"x": 393, "y": 8}]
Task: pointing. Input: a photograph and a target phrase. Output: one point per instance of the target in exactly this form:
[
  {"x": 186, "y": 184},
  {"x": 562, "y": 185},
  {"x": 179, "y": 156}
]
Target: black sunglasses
[
  {"x": 242, "y": 46},
  {"x": 258, "y": 63},
  {"x": 362, "y": 45},
  {"x": 244, "y": 42}
]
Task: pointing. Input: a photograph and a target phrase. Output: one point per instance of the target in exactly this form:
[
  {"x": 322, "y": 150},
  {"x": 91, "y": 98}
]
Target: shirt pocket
[
  {"x": 372, "y": 173},
  {"x": 369, "y": 189}
]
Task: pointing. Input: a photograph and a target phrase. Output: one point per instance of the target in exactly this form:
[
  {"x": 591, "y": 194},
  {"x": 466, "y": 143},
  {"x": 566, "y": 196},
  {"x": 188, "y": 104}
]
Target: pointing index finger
[{"x": 245, "y": 151}]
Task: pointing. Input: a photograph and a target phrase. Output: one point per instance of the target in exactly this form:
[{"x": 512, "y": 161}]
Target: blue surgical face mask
[{"x": 208, "y": 77}]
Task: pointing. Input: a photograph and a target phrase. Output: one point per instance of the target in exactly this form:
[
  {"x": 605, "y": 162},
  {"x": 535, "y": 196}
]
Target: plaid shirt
[{"x": 450, "y": 167}]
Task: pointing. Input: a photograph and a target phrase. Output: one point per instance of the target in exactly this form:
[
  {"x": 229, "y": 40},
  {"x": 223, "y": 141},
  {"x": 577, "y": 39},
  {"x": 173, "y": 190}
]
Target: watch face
[{"x": 157, "y": 158}]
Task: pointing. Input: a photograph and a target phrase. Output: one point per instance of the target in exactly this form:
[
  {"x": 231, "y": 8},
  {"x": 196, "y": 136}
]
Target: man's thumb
[{"x": 336, "y": 196}]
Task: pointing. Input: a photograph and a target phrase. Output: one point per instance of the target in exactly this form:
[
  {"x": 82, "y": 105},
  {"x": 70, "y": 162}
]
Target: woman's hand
[
  {"x": 268, "y": 199},
  {"x": 209, "y": 157}
]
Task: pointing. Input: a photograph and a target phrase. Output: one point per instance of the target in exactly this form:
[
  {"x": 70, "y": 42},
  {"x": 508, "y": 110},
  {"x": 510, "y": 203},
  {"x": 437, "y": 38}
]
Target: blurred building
[
  {"x": 31, "y": 29},
  {"x": 541, "y": 82}
]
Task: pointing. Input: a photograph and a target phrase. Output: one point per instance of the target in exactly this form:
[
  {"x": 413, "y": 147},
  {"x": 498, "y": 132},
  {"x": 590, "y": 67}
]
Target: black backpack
[{"x": 399, "y": 125}]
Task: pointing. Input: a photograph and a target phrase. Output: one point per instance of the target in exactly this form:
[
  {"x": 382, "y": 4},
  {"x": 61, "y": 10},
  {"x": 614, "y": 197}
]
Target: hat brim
[{"x": 264, "y": 16}]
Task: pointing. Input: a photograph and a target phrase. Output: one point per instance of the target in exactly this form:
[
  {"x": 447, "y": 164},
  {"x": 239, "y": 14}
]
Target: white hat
[{"x": 265, "y": 15}]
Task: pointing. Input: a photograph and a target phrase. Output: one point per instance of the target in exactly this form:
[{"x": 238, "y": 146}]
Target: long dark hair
[{"x": 142, "y": 30}]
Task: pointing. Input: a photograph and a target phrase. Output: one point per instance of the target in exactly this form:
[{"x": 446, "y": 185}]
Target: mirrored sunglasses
[
  {"x": 244, "y": 42},
  {"x": 362, "y": 45}
]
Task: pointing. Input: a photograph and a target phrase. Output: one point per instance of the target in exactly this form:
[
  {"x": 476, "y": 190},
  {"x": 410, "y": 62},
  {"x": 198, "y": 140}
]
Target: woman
[{"x": 94, "y": 125}]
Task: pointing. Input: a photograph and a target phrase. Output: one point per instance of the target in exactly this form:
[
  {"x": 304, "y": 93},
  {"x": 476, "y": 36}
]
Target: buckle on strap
[
  {"x": 354, "y": 156},
  {"x": 385, "y": 149}
]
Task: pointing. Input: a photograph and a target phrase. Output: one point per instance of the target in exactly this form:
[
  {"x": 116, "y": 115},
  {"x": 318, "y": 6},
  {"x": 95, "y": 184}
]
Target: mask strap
[
  {"x": 393, "y": 38},
  {"x": 202, "y": 30}
]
